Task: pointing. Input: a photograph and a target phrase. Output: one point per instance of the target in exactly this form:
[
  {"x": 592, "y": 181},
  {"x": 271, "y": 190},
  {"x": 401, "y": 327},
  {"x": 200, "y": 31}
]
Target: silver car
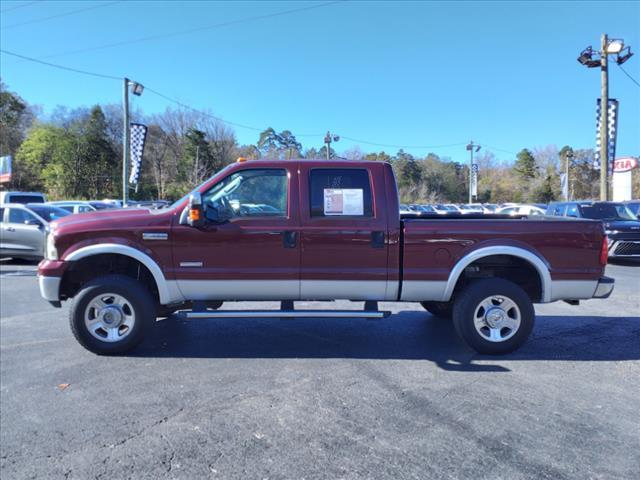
[
  {"x": 23, "y": 229},
  {"x": 74, "y": 206}
]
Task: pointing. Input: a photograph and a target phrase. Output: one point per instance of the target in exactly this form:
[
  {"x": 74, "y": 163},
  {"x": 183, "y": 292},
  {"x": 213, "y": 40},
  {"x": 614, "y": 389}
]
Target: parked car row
[
  {"x": 25, "y": 218},
  {"x": 473, "y": 208},
  {"x": 621, "y": 224}
]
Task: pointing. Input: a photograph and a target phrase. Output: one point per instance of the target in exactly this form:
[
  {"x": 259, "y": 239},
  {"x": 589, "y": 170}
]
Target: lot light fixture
[
  {"x": 623, "y": 57},
  {"x": 615, "y": 46},
  {"x": 607, "y": 47}
]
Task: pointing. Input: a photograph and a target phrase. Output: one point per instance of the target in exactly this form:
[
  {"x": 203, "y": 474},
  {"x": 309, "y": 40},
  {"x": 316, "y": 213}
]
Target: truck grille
[{"x": 627, "y": 248}]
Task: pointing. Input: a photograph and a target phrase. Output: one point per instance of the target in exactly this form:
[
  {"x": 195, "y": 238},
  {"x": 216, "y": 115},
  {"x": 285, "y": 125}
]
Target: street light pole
[
  {"x": 604, "y": 120},
  {"x": 328, "y": 138},
  {"x": 471, "y": 147},
  {"x": 125, "y": 143},
  {"x": 586, "y": 58}
]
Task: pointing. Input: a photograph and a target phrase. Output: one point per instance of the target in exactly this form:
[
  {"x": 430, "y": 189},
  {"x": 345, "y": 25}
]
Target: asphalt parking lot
[{"x": 322, "y": 399}]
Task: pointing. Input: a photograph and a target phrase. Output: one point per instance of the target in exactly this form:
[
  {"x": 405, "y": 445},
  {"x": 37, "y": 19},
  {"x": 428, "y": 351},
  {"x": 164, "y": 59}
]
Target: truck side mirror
[{"x": 195, "y": 217}]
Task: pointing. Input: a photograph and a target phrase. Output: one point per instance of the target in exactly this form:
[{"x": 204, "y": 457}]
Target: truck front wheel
[
  {"x": 493, "y": 316},
  {"x": 110, "y": 314}
]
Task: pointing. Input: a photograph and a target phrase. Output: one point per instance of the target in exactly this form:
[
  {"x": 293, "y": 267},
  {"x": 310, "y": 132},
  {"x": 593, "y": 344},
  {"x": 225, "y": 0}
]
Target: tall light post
[
  {"x": 136, "y": 89},
  {"x": 328, "y": 138},
  {"x": 607, "y": 47},
  {"x": 473, "y": 170}
]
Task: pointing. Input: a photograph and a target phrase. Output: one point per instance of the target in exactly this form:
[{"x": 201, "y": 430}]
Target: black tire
[
  {"x": 470, "y": 299},
  {"x": 439, "y": 309},
  {"x": 139, "y": 301}
]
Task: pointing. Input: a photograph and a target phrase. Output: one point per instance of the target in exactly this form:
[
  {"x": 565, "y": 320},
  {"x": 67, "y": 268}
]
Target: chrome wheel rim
[
  {"x": 497, "y": 318},
  {"x": 109, "y": 317}
]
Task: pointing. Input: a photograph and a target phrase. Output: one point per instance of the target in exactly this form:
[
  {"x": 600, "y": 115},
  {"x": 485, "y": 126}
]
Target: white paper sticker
[{"x": 343, "y": 201}]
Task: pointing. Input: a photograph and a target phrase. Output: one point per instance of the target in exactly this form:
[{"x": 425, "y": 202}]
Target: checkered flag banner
[
  {"x": 612, "y": 132},
  {"x": 474, "y": 179},
  {"x": 138, "y": 133}
]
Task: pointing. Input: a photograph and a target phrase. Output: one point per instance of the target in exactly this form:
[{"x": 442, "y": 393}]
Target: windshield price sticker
[{"x": 343, "y": 201}]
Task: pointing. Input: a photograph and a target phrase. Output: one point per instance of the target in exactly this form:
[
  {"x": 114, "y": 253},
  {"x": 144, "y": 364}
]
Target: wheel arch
[
  {"x": 166, "y": 294},
  {"x": 536, "y": 262}
]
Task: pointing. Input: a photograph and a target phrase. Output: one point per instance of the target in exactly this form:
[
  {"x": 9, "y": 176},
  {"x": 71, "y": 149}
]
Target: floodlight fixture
[
  {"x": 615, "y": 46},
  {"x": 623, "y": 57},
  {"x": 137, "y": 88},
  {"x": 586, "y": 58}
]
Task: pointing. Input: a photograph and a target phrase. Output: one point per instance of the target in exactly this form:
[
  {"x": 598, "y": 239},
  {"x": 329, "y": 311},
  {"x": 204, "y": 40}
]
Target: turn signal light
[
  {"x": 194, "y": 214},
  {"x": 604, "y": 251}
]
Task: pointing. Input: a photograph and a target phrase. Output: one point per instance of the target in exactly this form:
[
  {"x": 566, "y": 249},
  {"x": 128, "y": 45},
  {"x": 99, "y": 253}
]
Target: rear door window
[
  {"x": 572, "y": 211},
  {"x": 336, "y": 192},
  {"x": 22, "y": 198}
]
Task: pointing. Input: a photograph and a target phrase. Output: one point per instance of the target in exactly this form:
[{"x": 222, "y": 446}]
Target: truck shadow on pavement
[{"x": 409, "y": 335}]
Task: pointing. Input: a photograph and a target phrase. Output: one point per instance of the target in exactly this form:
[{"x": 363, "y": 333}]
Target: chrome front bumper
[
  {"x": 604, "y": 288},
  {"x": 50, "y": 288}
]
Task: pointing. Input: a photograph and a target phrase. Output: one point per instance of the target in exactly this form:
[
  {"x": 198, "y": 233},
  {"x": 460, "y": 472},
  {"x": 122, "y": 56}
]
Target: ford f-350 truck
[{"x": 314, "y": 230}]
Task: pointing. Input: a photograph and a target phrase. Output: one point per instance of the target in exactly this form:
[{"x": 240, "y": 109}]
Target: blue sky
[{"x": 404, "y": 73}]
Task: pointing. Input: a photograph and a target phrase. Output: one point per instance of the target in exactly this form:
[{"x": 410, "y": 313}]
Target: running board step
[{"x": 285, "y": 314}]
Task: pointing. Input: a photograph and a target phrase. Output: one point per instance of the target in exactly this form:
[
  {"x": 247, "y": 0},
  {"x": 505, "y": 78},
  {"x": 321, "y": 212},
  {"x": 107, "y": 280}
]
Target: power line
[
  {"x": 402, "y": 146},
  {"x": 497, "y": 149},
  {"x": 184, "y": 105},
  {"x": 72, "y": 12},
  {"x": 61, "y": 67},
  {"x": 628, "y": 75},
  {"x": 17, "y": 7},
  {"x": 193, "y": 30},
  {"x": 228, "y": 122}
]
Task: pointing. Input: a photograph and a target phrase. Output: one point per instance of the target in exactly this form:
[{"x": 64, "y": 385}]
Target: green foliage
[
  {"x": 525, "y": 165},
  {"x": 15, "y": 118},
  {"x": 283, "y": 145}
]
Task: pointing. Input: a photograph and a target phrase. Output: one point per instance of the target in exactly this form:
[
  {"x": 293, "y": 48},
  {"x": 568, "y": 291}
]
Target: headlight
[
  {"x": 51, "y": 253},
  {"x": 612, "y": 232}
]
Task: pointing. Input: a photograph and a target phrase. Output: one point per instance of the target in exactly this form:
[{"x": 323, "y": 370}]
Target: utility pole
[
  {"x": 195, "y": 172},
  {"x": 138, "y": 88},
  {"x": 604, "y": 120},
  {"x": 471, "y": 147},
  {"x": 328, "y": 138},
  {"x": 623, "y": 53},
  {"x": 569, "y": 158},
  {"x": 125, "y": 143}
]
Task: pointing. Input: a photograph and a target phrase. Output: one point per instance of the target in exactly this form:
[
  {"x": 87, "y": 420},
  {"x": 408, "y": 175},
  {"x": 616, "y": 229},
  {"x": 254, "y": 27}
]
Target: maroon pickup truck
[{"x": 313, "y": 230}]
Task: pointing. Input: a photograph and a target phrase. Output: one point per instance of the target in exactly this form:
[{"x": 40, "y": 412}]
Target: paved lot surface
[{"x": 322, "y": 399}]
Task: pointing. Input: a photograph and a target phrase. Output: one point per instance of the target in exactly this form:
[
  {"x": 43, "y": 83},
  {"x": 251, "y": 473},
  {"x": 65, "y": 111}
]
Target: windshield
[
  {"x": 185, "y": 197},
  {"x": 49, "y": 213},
  {"x": 606, "y": 211}
]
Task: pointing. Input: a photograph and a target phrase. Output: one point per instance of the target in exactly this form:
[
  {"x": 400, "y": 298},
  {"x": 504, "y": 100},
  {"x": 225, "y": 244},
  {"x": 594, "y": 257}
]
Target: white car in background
[
  {"x": 74, "y": 206},
  {"x": 443, "y": 209},
  {"x": 521, "y": 210}
]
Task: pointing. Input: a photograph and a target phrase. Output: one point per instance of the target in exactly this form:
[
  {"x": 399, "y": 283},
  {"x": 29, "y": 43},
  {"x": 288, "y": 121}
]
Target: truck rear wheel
[
  {"x": 493, "y": 316},
  {"x": 110, "y": 314},
  {"x": 438, "y": 309}
]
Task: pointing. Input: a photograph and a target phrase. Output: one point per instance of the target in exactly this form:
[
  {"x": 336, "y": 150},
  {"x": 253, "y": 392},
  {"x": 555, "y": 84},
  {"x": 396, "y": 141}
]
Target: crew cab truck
[{"x": 314, "y": 230}]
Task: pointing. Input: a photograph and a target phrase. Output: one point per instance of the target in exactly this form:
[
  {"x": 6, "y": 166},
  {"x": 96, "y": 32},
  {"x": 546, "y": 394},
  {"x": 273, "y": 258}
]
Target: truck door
[
  {"x": 255, "y": 255},
  {"x": 344, "y": 233}
]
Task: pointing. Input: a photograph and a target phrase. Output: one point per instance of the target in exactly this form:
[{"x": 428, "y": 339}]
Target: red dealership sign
[{"x": 625, "y": 164}]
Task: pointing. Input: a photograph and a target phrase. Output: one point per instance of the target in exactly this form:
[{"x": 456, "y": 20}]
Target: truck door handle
[
  {"x": 11, "y": 229},
  {"x": 377, "y": 239},
  {"x": 289, "y": 239}
]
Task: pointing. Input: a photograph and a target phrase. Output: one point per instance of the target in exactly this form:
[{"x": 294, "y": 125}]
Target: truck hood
[
  {"x": 623, "y": 225},
  {"x": 108, "y": 220}
]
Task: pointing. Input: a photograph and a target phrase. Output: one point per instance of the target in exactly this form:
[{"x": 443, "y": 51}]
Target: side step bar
[{"x": 286, "y": 314}]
